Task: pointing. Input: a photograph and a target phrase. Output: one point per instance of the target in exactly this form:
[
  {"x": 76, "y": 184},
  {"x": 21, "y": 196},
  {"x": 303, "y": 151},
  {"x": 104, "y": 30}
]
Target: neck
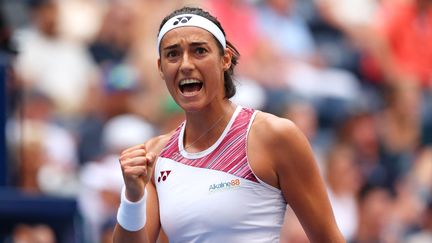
[{"x": 205, "y": 127}]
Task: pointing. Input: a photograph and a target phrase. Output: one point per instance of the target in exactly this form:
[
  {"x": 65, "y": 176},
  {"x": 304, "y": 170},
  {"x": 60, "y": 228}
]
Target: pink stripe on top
[{"x": 228, "y": 156}]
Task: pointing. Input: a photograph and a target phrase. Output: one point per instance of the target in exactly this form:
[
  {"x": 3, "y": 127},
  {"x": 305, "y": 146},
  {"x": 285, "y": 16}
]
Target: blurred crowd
[{"x": 354, "y": 75}]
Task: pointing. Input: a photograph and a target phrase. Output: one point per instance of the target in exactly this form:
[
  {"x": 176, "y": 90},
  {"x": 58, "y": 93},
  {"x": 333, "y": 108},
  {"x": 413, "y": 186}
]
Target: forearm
[
  {"x": 131, "y": 220},
  {"x": 316, "y": 217},
  {"x": 123, "y": 236},
  {"x": 329, "y": 234}
]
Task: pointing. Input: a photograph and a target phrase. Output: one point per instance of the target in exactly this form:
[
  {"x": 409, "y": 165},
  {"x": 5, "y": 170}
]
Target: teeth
[{"x": 189, "y": 81}]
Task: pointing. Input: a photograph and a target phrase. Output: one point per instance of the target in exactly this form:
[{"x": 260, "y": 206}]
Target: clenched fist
[{"x": 137, "y": 166}]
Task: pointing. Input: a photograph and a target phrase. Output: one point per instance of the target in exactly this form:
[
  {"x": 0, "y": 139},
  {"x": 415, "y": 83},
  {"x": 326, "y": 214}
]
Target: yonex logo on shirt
[
  {"x": 183, "y": 20},
  {"x": 164, "y": 175}
]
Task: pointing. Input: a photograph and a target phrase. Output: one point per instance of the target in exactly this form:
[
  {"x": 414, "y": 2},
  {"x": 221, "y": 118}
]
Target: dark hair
[{"x": 230, "y": 88}]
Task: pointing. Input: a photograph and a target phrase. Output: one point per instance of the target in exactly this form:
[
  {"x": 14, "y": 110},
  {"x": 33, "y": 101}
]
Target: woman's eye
[
  {"x": 201, "y": 50},
  {"x": 171, "y": 54}
]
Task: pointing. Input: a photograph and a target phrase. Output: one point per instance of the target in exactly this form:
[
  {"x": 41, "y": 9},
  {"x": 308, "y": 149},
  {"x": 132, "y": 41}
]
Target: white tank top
[{"x": 213, "y": 195}]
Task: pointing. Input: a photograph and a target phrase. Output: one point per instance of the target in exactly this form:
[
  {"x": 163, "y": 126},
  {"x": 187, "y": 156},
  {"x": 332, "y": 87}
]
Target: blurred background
[{"x": 79, "y": 83}]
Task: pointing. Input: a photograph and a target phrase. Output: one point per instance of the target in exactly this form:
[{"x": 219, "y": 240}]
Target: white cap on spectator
[
  {"x": 124, "y": 131},
  {"x": 249, "y": 94}
]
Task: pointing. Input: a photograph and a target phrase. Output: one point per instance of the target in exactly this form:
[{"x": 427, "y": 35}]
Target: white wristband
[{"x": 132, "y": 215}]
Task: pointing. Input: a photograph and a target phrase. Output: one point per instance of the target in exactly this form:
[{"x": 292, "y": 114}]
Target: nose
[{"x": 186, "y": 65}]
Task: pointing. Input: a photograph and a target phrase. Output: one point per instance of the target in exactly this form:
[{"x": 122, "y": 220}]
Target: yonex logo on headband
[
  {"x": 191, "y": 20},
  {"x": 182, "y": 20}
]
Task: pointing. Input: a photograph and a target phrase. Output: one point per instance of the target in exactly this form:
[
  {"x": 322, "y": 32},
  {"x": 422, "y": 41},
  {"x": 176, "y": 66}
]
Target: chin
[{"x": 192, "y": 107}]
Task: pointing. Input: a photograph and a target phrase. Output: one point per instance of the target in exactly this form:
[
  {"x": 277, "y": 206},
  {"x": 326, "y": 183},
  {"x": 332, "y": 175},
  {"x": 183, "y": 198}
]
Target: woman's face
[{"x": 192, "y": 67}]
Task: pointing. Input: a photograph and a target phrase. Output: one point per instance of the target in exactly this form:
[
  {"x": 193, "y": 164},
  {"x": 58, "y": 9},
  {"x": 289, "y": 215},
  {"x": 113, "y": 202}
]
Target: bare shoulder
[
  {"x": 156, "y": 144},
  {"x": 273, "y": 144},
  {"x": 280, "y": 140},
  {"x": 272, "y": 129}
]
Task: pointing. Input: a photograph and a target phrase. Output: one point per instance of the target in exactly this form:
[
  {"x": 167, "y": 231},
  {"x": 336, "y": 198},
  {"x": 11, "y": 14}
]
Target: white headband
[{"x": 191, "y": 20}]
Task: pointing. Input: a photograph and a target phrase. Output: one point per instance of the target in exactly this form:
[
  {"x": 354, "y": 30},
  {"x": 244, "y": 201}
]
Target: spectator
[
  {"x": 43, "y": 147},
  {"x": 406, "y": 212},
  {"x": 343, "y": 182},
  {"x": 47, "y": 62},
  {"x": 375, "y": 207},
  {"x": 361, "y": 133},
  {"x": 119, "y": 80},
  {"x": 399, "y": 127},
  {"x": 401, "y": 27},
  {"x": 295, "y": 52}
]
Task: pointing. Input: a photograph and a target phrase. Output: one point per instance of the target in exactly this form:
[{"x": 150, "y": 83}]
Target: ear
[
  {"x": 226, "y": 60},
  {"x": 160, "y": 69}
]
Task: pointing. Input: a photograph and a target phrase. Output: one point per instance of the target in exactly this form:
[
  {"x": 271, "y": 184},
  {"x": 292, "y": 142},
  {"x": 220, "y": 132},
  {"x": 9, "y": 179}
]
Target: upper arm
[
  {"x": 153, "y": 225},
  {"x": 299, "y": 179},
  {"x": 153, "y": 222}
]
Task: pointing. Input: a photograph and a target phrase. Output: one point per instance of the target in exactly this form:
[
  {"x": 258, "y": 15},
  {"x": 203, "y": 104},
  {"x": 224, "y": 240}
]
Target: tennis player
[{"x": 227, "y": 173}]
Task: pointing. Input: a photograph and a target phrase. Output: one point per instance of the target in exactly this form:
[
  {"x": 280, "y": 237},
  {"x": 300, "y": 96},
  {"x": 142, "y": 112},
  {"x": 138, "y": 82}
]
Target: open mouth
[{"x": 190, "y": 86}]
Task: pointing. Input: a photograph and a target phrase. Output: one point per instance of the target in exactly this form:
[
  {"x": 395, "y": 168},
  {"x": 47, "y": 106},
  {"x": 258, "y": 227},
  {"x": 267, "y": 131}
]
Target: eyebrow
[
  {"x": 198, "y": 43},
  {"x": 174, "y": 46}
]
